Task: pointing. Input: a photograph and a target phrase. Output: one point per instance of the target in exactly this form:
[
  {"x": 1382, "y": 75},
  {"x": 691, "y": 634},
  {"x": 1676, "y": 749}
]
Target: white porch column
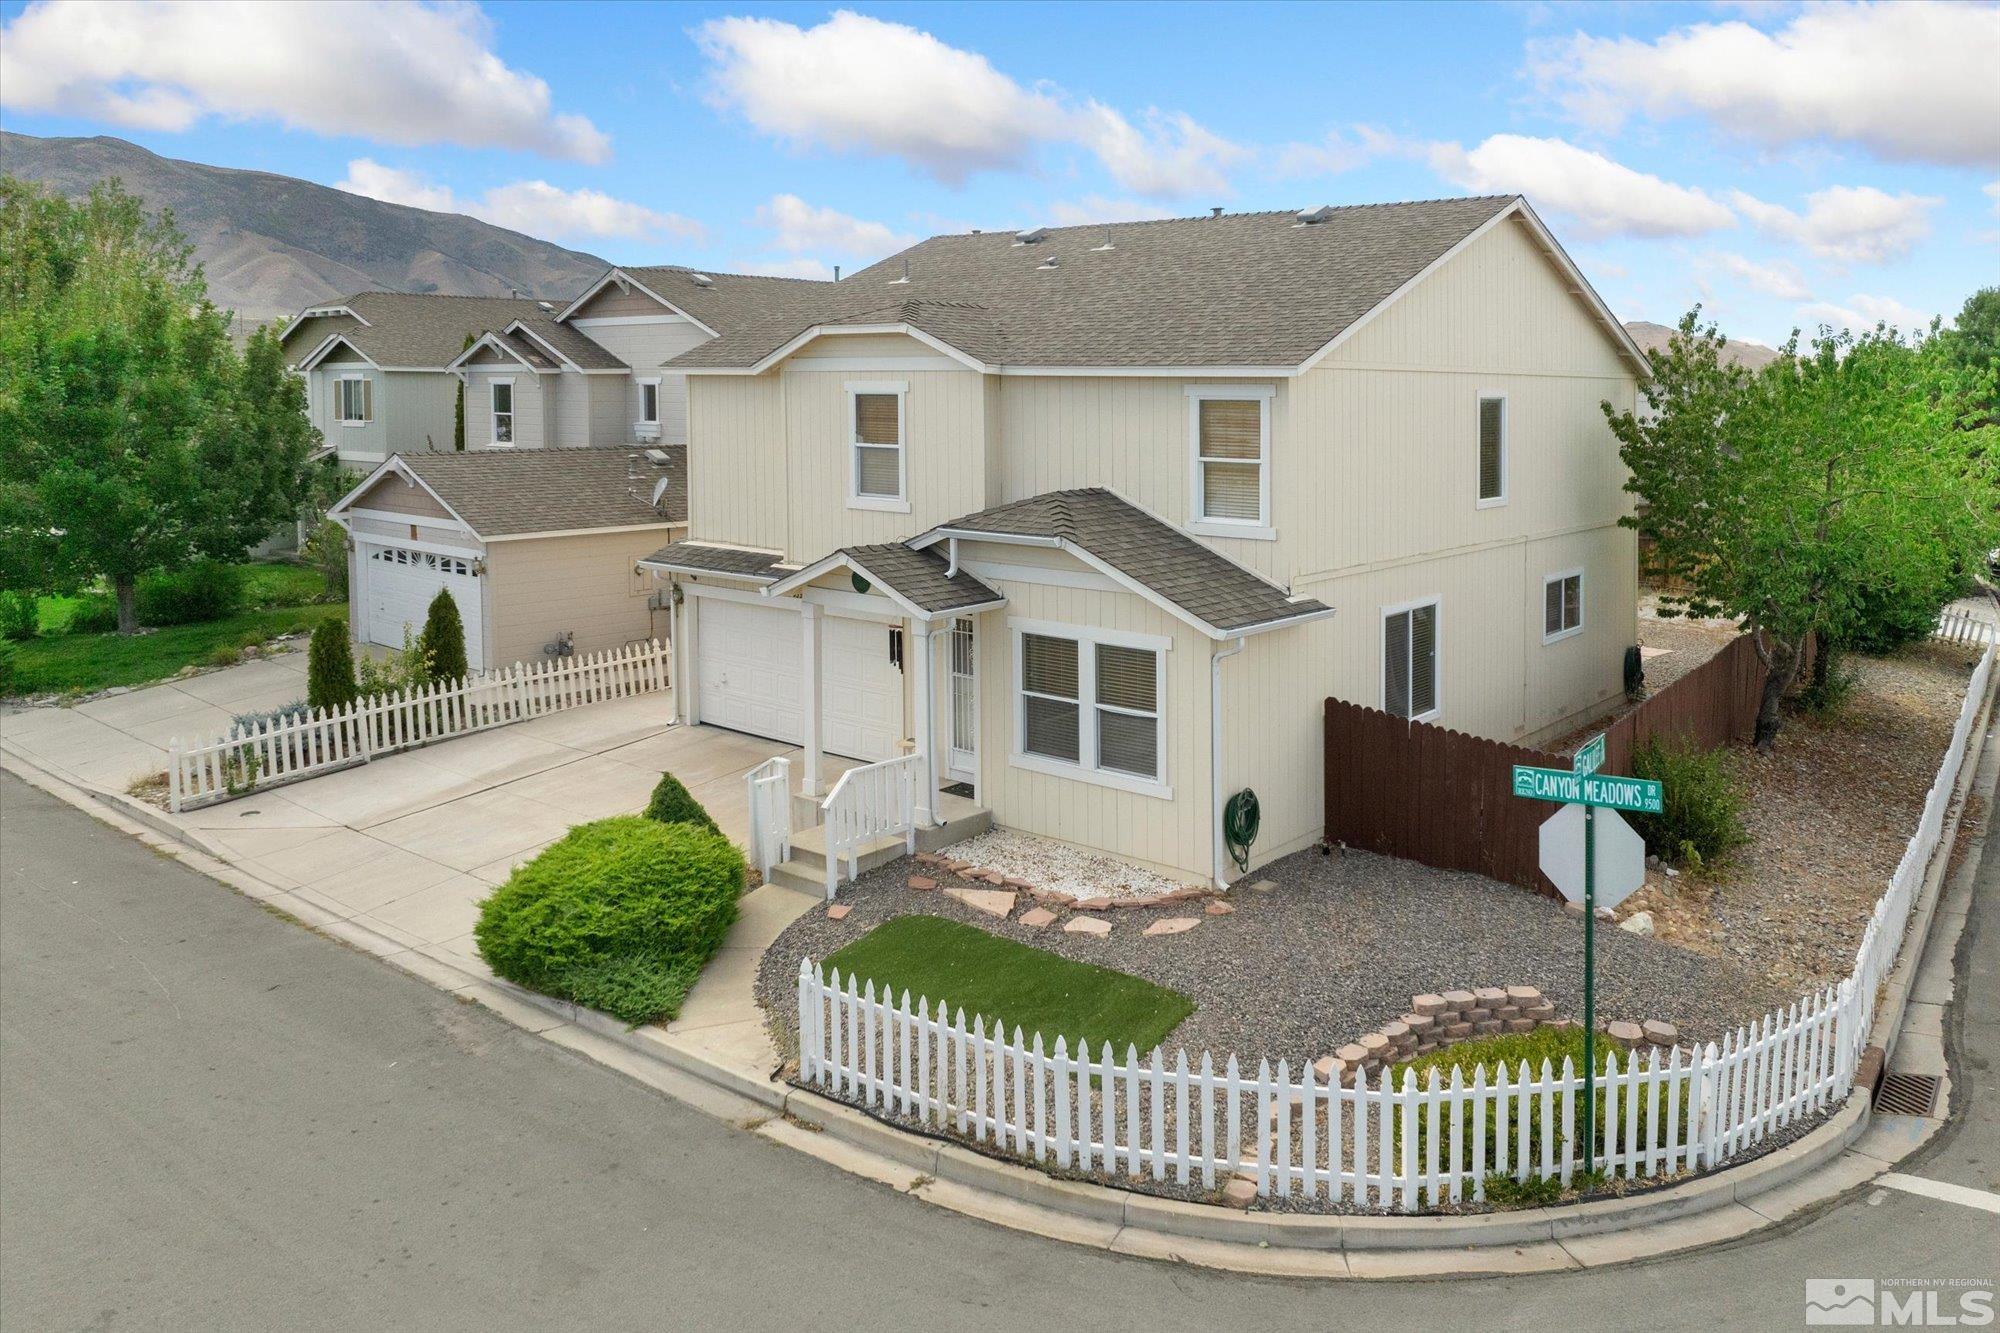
[
  {"x": 809, "y": 659},
  {"x": 926, "y": 726}
]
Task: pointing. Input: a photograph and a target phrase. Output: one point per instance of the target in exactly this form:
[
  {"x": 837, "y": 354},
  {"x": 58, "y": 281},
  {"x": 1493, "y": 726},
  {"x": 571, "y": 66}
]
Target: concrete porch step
[{"x": 806, "y": 871}]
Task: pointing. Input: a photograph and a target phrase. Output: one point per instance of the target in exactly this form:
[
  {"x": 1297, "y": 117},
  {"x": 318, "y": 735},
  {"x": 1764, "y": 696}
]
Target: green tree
[
  {"x": 1784, "y": 498},
  {"x": 443, "y": 641},
  {"x": 330, "y": 666},
  {"x": 458, "y": 410},
  {"x": 132, "y": 436},
  {"x": 1974, "y": 348}
]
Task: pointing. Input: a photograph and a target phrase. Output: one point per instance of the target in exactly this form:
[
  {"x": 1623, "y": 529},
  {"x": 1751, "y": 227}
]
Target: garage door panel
[
  {"x": 750, "y": 664},
  {"x": 862, "y": 699},
  {"x": 400, "y": 584}
]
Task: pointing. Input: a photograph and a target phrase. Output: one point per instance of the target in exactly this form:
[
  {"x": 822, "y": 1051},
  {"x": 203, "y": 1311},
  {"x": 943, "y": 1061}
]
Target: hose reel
[{"x": 1240, "y": 817}]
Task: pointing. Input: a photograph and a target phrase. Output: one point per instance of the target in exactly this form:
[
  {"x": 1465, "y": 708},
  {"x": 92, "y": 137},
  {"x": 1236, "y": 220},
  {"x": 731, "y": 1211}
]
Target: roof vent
[
  {"x": 1216, "y": 211},
  {"x": 1106, "y": 242},
  {"x": 1312, "y": 217},
  {"x": 906, "y": 273},
  {"x": 701, "y": 280},
  {"x": 1031, "y": 235},
  {"x": 1047, "y": 264},
  {"x": 657, "y": 457}
]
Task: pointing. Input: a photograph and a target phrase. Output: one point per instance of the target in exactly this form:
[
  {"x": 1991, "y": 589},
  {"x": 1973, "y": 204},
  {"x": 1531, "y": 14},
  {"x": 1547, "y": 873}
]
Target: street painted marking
[{"x": 1986, "y": 1200}]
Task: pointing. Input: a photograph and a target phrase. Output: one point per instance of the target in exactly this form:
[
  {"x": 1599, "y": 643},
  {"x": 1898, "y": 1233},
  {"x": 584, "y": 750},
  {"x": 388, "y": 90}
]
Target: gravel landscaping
[{"x": 1059, "y": 868}]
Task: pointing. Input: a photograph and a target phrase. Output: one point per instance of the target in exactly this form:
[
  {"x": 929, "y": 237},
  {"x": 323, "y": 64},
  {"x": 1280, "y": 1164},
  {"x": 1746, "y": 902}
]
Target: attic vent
[
  {"x": 1047, "y": 264},
  {"x": 701, "y": 280},
  {"x": 1105, "y": 244},
  {"x": 1031, "y": 235},
  {"x": 1309, "y": 217},
  {"x": 657, "y": 457},
  {"x": 546, "y": 306},
  {"x": 906, "y": 274}
]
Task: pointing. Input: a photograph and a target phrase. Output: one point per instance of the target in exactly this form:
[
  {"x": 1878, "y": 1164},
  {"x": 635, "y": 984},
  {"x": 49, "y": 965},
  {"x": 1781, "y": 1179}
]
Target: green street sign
[
  {"x": 1553, "y": 784},
  {"x": 1589, "y": 756}
]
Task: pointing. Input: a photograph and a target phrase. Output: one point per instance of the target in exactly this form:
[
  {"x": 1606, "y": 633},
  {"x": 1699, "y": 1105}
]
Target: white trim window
[
  {"x": 500, "y": 398},
  {"x": 877, "y": 463},
  {"x": 1410, "y": 660},
  {"x": 648, "y": 425},
  {"x": 353, "y": 400},
  {"x": 1562, "y": 605},
  {"x": 1492, "y": 449},
  {"x": 1229, "y": 444},
  {"x": 1089, "y": 704}
]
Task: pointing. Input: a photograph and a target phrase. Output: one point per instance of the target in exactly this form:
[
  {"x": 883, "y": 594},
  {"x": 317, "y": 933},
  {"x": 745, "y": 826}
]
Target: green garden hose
[{"x": 1239, "y": 826}]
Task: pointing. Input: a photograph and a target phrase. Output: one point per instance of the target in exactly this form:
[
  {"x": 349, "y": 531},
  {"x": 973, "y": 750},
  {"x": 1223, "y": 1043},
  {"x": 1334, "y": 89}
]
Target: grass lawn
[
  {"x": 98, "y": 661},
  {"x": 1028, "y": 988}
]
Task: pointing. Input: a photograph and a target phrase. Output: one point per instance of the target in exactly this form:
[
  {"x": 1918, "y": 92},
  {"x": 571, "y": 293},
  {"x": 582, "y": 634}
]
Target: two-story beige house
[{"x": 1094, "y": 519}]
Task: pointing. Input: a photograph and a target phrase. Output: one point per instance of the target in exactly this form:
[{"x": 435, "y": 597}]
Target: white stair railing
[
  {"x": 870, "y": 802},
  {"x": 769, "y": 787}
]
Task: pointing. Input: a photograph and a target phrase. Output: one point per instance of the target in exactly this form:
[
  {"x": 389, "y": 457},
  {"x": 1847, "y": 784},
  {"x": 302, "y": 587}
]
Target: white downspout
[
  {"x": 1221, "y": 852},
  {"x": 951, "y": 567}
]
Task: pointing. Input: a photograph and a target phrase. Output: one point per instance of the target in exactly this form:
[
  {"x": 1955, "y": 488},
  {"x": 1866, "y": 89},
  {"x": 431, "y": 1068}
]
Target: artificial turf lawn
[{"x": 1025, "y": 987}]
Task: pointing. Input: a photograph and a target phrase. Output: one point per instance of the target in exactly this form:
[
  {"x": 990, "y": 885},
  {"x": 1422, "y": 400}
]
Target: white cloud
[
  {"x": 1332, "y": 155},
  {"x": 1862, "y": 312},
  {"x": 394, "y": 73},
  {"x": 1778, "y": 278},
  {"x": 1603, "y": 197},
  {"x": 860, "y": 84},
  {"x": 788, "y": 268},
  {"x": 1096, "y": 208},
  {"x": 1993, "y": 192},
  {"x": 1910, "y": 82},
  {"x": 801, "y": 229},
  {"x": 1849, "y": 224},
  {"x": 534, "y": 207}
]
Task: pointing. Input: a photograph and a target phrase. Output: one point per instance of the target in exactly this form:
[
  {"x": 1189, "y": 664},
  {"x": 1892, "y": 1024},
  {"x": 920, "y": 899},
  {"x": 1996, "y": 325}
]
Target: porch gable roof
[{"x": 918, "y": 581}]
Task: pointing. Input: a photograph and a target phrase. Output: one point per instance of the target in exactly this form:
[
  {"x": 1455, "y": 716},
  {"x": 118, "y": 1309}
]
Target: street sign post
[{"x": 1583, "y": 790}]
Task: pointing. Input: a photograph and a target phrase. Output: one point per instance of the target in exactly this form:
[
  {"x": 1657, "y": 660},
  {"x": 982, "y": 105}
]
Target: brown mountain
[
  {"x": 273, "y": 244},
  {"x": 1653, "y": 337}
]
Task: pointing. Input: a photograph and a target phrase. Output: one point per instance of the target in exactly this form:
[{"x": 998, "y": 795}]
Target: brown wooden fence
[{"x": 1446, "y": 799}]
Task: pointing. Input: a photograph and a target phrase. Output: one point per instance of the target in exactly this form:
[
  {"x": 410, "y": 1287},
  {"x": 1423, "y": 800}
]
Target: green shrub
[
  {"x": 330, "y": 666},
  {"x": 205, "y": 590},
  {"x": 326, "y": 551},
  {"x": 443, "y": 639},
  {"x": 1702, "y": 818},
  {"x": 1882, "y": 620},
  {"x": 227, "y": 655},
  {"x": 8, "y": 652},
  {"x": 619, "y": 914},
  {"x": 19, "y": 615},
  {"x": 1832, "y": 682},
  {"x": 94, "y": 614},
  {"x": 672, "y": 803}
]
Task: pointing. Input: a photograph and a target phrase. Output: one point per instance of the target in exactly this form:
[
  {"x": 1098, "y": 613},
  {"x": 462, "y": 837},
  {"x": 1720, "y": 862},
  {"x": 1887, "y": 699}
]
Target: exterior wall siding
[
  {"x": 738, "y": 493},
  {"x": 645, "y": 348},
  {"x": 540, "y": 587},
  {"x": 397, "y": 496},
  {"x": 530, "y": 425}
]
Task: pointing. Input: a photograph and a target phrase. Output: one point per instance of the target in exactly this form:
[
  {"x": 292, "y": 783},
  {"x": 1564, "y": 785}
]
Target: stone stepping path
[{"x": 993, "y": 902}]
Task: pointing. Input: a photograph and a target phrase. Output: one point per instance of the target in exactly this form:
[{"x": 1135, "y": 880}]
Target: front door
[{"x": 964, "y": 682}]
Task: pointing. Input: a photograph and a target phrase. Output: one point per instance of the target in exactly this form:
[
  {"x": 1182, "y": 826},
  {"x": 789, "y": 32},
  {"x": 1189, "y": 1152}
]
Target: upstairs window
[
  {"x": 1562, "y": 605},
  {"x": 503, "y": 412},
  {"x": 353, "y": 400},
  {"x": 1492, "y": 449},
  {"x": 1409, "y": 661},
  {"x": 649, "y": 403},
  {"x": 1230, "y": 427},
  {"x": 877, "y": 474}
]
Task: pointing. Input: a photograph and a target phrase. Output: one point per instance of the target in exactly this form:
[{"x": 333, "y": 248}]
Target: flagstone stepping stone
[
  {"x": 1039, "y": 917},
  {"x": 1173, "y": 925},
  {"x": 1239, "y": 1193},
  {"x": 922, "y": 883},
  {"x": 1218, "y": 908},
  {"x": 993, "y": 902},
  {"x": 1087, "y": 925},
  {"x": 838, "y": 912}
]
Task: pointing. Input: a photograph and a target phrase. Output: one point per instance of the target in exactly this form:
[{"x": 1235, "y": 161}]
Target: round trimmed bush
[
  {"x": 203, "y": 591},
  {"x": 92, "y": 614},
  {"x": 619, "y": 914},
  {"x": 19, "y": 615},
  {"x": 672, "y": 803}
]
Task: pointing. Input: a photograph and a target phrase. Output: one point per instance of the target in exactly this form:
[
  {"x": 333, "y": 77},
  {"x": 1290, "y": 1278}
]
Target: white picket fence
[
  {"x": 1396, "y": 1148},
  {"x": 1956, "y": 625},
  {"x": 322, "y": 740}
]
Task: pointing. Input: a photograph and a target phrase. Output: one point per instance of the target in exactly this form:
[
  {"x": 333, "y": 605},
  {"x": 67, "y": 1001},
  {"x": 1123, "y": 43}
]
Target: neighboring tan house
[
  {"x": 533, "y": 546},
  {"x": 1094, "y": 519},
  {"x": 377, "y": 367}
]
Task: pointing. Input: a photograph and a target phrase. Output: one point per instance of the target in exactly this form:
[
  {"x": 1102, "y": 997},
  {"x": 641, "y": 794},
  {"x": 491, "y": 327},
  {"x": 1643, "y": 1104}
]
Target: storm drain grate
[{"x": 1906, "y": 1094}]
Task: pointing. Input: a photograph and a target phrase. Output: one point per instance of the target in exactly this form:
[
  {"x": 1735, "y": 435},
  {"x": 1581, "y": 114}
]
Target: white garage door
[
  {"x": 398, "y": 585},
  {"x": 749, "y": 664}
]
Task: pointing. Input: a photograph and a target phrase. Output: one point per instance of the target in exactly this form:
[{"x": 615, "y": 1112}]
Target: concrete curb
[{"x": 1726, "y": 1205}]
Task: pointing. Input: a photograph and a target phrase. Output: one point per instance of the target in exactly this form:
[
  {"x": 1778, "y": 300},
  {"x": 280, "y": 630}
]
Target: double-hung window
[
  {"x": 1492, "y": 449},
  {"x": 353, "y": 400},
  {"x": 1409, "y": 661},
  {"x": 502, "y": 399},
  {"x": 649, "y": 408},
  {"x": 1562, "y": 605},
  {"x": 1229, "y": 429},
  {"x": 877, "y": 471},
  {"x": 1089, "y": 705}
]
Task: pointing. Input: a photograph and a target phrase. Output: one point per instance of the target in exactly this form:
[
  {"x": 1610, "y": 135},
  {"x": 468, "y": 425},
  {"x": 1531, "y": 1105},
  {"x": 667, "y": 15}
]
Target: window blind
[
  {"x": 875, "y": 419},
  {"x": 1423, "y": 660},
  {"x": 1050, "y": 709},
  {"x": 878, "y": 471},
  {"x": 1396, "y": 664},
  {"x": 1492, "y": 448},
  {"x": 1552, "y": 606},
  {"x": 1231, "y": 452}
]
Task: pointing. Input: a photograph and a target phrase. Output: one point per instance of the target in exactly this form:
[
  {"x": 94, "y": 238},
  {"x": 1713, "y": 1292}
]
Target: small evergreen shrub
[
  {"x": 672, "y": 803},
  {"x": 19, "y": 615},
  {"x": 1702, "y": 816},
  {"x": 443, "y": 640},
  {"x": 330, "y": 666},
  {"x": 205, "y": 590},
  {"x": 326, "y": 551},
  {"x": 619, "y": 914}
]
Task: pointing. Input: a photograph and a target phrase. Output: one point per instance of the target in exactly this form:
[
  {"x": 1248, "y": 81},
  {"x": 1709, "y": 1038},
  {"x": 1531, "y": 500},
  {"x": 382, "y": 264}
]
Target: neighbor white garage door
[
  {"x": 749, "y": 664},
  {"x": 398, "y": 585}
]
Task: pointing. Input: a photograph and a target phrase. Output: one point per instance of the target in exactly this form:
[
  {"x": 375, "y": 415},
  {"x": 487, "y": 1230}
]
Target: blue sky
[{"x": 1783, "y": 164}]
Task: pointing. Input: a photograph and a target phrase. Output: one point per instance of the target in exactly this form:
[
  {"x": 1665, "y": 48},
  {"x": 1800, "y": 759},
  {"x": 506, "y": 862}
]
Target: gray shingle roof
[
  {"x": 920, "y": 577},
  {"x": 412, "y": 331},
  {"x": 700, "y": 558},
  {"x": 1246, "y": 289},
  {"x": 573, "y": 343},
  {"x": 1152, "y": 553},
  {"x": 505, "y": 492}
]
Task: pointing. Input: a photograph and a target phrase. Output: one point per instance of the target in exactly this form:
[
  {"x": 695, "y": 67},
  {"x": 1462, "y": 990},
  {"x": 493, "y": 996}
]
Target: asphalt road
[{"x": 213, "y": 1118}]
